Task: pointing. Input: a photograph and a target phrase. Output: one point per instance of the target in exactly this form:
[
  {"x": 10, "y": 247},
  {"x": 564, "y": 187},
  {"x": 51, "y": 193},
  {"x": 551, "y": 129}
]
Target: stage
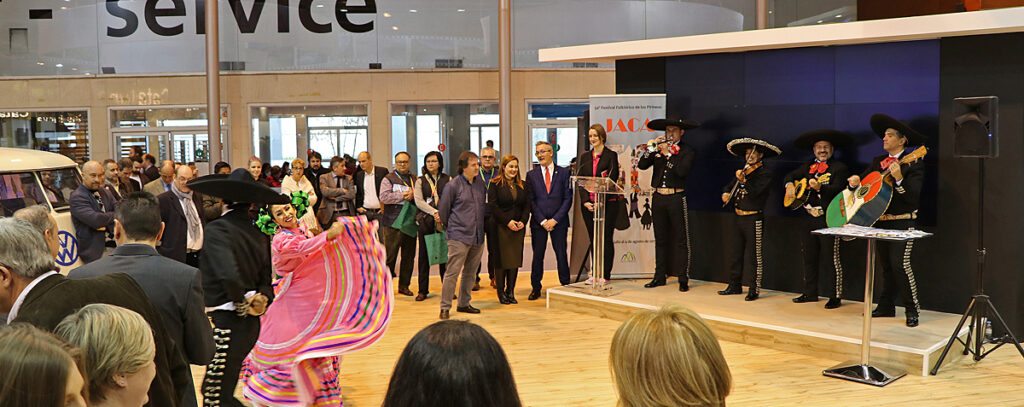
[{"x": 774, "y": 321}]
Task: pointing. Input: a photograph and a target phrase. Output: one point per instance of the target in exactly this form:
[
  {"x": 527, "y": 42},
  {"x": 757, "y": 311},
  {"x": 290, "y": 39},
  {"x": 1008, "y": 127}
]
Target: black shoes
[
  {"x": 535, "y": 294},
  {"x": 684, "y": 287},
  {"x": 883, "y": 312},
  {"x": 730, "y": 290},
  {"x": 805, "y": 298},
  {"x": 912, "y": 320},
  {"x": 469, "y": 309},
  {"x": 511, "y": 299},
  {"x": 421, "y": 297},
  {"x": 654, "y": 283},
  {"x": 503, "y": 299},
  {"x": 444, "y": 314},
  {"x": 833, "y": 303},
  {"x": 752, "y": 295},
  {"x": 405, "y": 291}
]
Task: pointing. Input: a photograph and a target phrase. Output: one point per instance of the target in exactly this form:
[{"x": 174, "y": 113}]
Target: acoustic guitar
[
  {"x": 803, "y": 191},
  {"x": 865, "y": 204}
]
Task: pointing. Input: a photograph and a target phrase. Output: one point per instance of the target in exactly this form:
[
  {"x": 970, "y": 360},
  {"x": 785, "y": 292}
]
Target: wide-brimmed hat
[
  {"x": 239, "y": 186},
  {"x": 880, "y": 122},
  {"x": 807, "y": 140},
  {"x": 678, "y": 121},
  {"x": 738, "y": 147}
]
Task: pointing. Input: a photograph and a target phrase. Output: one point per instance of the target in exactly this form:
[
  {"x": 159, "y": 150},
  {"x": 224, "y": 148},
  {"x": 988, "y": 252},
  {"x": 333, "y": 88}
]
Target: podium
[
  {"x": 601, "y": 187},
  {"x": 862, "y": 371}
]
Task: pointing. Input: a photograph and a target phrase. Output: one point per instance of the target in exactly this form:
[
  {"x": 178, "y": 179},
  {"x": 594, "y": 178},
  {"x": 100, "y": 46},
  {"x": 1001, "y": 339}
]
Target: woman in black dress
[
  {"x": 510, "y": 210},
  {"x": 600, "y": 162}
]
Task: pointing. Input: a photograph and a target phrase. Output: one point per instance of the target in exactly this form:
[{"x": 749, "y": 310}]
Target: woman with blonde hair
[
  {"x": 668, "y": 358},
  {"x": 297, "y": 182},
  {"x": 37, "y": 369},
  {"x": 119, "y": 351}
]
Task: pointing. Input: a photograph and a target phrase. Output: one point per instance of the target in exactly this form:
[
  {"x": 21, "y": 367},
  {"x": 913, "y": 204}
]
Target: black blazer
[
  {"x": 56, "y": 297},
  {"x": 150, "y": 173},
  {"x": 607, "y": 166},
  {"x": 235, "y": 259},
  {"x": 378, "y": 175},
  {"x": 175, "y": 239},
  {"x": 87, "y": 218},
  {"x": 505, "y": 208}
]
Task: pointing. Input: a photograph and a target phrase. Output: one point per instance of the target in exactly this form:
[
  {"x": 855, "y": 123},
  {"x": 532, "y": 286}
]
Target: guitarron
[{"x": 865, "y": 204}]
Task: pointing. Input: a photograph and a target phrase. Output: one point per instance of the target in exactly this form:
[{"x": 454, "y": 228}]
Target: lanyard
[
  {"x": 433, "y": 187},
  {"x": 487, "y": 181}
]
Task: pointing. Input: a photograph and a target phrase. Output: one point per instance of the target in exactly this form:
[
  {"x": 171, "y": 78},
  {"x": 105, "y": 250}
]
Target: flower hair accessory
[
  {"x": 264, "y": 221},
  {"x": 300, "y": 200}
]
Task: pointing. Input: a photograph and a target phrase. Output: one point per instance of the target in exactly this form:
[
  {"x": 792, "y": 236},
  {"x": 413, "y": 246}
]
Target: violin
[{"x": 741, "y": 176}]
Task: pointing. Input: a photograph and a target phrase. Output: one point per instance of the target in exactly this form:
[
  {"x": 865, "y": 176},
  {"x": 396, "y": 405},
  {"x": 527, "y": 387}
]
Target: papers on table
[{"x": 855, "y": 231}]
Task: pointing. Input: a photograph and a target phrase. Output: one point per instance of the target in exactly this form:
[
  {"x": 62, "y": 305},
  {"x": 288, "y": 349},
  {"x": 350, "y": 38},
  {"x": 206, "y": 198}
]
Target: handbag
[
  {"x": 425, "y": 222},
  {"x": 622, "y": 215},
  {"x": 406, "y": 220},
  {"x": 437, "y": 247}
]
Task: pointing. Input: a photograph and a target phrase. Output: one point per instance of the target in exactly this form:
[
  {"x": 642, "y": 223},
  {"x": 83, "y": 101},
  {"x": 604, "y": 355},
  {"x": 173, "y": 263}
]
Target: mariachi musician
[
  {"x": 671, "y": 159},
  {"x": 907, "y": 180},
  {"x": 746, "y": 194},
  {"x": 810, "y": 188}
]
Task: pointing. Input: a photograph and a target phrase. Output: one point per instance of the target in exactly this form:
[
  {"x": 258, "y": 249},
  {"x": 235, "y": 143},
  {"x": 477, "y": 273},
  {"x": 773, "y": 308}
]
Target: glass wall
[
  {"x": 169, "y": 133},
  {"x": 283, "y": 133},
  {"x": 556, "y": 123},
  {"x": 449, "y": 128},
  {"x": 64, "y": 132},
  {"x": 792, "y": 13}
]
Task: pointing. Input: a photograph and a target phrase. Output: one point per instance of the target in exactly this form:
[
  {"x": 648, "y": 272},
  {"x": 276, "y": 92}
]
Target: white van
[{"x": 31, "y": 177}]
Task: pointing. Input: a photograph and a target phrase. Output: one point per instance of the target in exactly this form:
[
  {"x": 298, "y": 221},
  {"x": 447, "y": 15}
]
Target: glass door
[
  {"x": 152, "y": 142},
  {"x": 562, "y": 137}
]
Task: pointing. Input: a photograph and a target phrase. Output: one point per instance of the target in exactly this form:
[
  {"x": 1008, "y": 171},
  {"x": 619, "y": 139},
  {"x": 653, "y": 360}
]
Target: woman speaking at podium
[{"x": 599, "y": 162}]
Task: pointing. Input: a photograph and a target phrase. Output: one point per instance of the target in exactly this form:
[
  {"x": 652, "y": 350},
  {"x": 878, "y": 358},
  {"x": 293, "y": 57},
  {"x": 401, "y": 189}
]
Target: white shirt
[
  {"x": 370, "y": 199},
  {"x": 21, "y": 297}
]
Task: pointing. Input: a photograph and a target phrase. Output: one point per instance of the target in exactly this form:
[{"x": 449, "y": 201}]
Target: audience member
[
  {"x": 31, "y": 291},
  {"x": 452, "y": 363},
  {"x": 119, "y": 353},
  {"x": 40, "y": 219},
  {"x": 92, "y": 213},
  {"x": 164, "y": 182},
  {"x": 183, "y": 226},
  {"x": 297, "y": 181},
  {"x": 462, "y": 213},
  {"x": 128, "y": 184},
  {"x": 338, "y": 192},
  {"x": 669, "y": 357},
  {"x": 39, "y": 370},
  {"x": 174, "y": 288},
  {"x": 426, "y": 194},
  {"x": 550, "y": 198},
  {"x": 112, "y": 179},
  {"x": 137, "y": 172},
  {"x": 396, "y": 193},
  {"x": 312, "y": 174},
  {"x": 255, "y": 167},
  {"x": 510, "y": 210},
  {"x": 274, "y": 178},
  {"x": 488, "y": 171},
  {"x": 149, "y": 171},
  {"x": 213, "y": 207},
  {"x": 368, "y": 179}
]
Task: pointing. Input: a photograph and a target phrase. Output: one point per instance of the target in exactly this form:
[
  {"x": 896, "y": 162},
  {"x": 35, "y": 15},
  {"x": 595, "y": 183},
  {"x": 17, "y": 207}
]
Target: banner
[{"x": 625, "y": 119}]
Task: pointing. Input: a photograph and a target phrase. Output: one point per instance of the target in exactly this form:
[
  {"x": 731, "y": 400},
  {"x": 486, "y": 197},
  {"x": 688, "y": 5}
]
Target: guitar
[
  {"x": 803, "y": 191},
  {"x": 865, "y": 204}
]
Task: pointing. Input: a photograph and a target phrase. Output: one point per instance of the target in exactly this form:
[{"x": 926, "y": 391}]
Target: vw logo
[{"x": 68, "y": 253}]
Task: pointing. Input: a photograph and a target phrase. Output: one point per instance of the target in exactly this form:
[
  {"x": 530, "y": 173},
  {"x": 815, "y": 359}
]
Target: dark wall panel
[
  {"x": 800, "y": 76},
  {"x": 891, "y": 72},
  {"x": 645, "y": 75}
]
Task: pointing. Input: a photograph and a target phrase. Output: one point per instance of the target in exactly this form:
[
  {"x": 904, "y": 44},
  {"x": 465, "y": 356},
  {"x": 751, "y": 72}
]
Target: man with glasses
[
  {"x": 488, "y": 170},
  {"x": 550, "y": 197},
  {"x": 396, "y": 190}
]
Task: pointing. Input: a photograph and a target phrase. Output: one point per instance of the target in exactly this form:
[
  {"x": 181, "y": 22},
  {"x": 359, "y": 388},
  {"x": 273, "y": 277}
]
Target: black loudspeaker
[{"x": 975, "y": 127}]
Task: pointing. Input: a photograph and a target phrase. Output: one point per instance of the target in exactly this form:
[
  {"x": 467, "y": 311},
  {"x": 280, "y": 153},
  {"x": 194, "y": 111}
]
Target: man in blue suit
[
  {"x": 551, "y": 198},
  {"x": 92, "y": 212}
]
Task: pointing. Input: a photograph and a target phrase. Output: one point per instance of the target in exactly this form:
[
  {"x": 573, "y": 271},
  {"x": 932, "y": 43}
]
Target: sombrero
[
  {"x": 239, "y": 186},
  {"x": 661, "y": 124},
  {"x": 881, "y": 122},
  {"x": 807, "y": 140},
  {"x": 738, "y": 147}
]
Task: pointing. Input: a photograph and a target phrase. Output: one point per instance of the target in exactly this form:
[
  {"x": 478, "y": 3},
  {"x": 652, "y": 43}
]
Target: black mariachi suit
[
  {"x": 748, "y": 234},
  {"x": 235, "y": 260},
  {"x": 811, "y": 244},
  {"x": 895, "y": 256},
  {"x": 670, "y": 213}
]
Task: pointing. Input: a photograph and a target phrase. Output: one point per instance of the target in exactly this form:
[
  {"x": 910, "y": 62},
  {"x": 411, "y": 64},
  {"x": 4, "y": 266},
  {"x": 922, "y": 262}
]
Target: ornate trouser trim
[
  {"x": 910, "y": 274},
  {"x": 215, "y": 370},
  {"x": 758, "y": 230},
  {"x": 839, "y": 267},
  {"x": 686, "y": 225}
]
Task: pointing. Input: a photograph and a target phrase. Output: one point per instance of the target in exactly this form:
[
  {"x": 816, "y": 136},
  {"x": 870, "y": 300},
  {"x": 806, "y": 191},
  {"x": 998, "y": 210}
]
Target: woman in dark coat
[
  {"x": 600, "y": 162},
  {"x": 510, "y": 210},
  {"x": 426, "y": 194}
]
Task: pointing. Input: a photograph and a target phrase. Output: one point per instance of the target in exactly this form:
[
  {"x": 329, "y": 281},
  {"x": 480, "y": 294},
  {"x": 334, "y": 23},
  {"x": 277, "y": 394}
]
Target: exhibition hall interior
[{"x": 463, "y": 203}]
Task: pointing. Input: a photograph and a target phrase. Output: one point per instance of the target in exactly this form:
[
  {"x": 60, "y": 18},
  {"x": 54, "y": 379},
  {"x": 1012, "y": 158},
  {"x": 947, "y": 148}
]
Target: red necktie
[{"x": 547, "y": 179}]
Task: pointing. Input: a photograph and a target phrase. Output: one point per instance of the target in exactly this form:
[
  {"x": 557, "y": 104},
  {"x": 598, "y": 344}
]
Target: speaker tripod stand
[{"x": 981, "y": 305}]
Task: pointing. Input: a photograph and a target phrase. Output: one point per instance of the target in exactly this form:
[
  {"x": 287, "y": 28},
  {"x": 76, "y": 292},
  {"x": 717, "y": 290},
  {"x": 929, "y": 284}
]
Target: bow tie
[
  {"x": 887, "y": 162},
  {"x": 818, "y": 168}
]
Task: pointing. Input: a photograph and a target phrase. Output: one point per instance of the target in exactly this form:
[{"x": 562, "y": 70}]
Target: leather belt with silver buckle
[
  {"x": 746, "y": 213},
  {"x": 814, "y": 211},
  {"x": 902, "y": 216},
  {"x": 669, "y": 191}
]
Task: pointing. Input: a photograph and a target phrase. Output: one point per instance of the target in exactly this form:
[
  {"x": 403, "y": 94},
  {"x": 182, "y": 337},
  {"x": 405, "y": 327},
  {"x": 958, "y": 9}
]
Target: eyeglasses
[
  {"x": 543, "y": 152},
  {"x": 487, "y": 156}
]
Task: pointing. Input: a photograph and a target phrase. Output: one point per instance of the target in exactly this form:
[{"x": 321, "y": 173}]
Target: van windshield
[
  {"x": 58, "y": 185},
  {"x": 18, "y": 190}
]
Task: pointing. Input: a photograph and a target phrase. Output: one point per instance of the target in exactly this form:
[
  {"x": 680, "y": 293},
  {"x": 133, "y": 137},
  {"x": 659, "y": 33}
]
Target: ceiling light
[
  {"x": 319, "y": 6},
  {"x": 386, "y": 14},
  {"x": 59, "y": 65},
  {"x": 839, "y": 16},
  {"x": 74, "y": 69},
  {"x": 461, "y": 10},
  {"x": 40, "y": 63},
  {"x": 63, "y": 8},
  {"x": 412, "y": 10},
  {"x": 394, "y": 27},
  {"x": 820, "y": 21}
]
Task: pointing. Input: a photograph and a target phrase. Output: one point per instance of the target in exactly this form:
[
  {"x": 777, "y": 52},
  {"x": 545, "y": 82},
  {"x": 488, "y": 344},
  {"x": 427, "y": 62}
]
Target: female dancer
[{"x": 334, "y": 297}]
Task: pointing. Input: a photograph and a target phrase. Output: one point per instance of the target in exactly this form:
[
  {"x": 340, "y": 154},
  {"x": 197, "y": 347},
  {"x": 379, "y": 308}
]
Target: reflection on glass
[
  {"x": 282, "y": 133},
  {"x": 66, "y": 133},
  {"x": 420, "y": 129},
  {"x": 19, "y": 190},
  {"x": 61, "y": 183}
]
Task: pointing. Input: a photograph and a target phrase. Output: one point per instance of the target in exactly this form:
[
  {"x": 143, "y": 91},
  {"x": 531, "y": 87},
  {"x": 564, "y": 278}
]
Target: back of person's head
[
  {"x": 23, "y": 250},
  {"x": 117, "y": 343},
  {"x": 36, "y": 367},
  {"x": 452, "y": 364},
  {"x": 139, "y": 216},
  {"x": 37, "y": 215},
  {"x": 669, "y": 357}
]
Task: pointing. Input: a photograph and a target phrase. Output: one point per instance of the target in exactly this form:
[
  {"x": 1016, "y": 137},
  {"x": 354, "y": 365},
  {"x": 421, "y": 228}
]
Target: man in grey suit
[
  {"x": 162, "y": 183},
  {"x": 173, "y": 287},
  {"x": 338, "y": 192}
]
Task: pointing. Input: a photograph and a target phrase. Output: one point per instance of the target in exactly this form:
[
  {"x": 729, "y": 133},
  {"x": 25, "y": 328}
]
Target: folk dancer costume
[
  {"x": 235, "y": 267},
  {"x": 670, "y": 213},
  {"x": 748, "y": 192},
  {"x": 831, "y": 176},
  {"x": 333, "y": 297},
  {"x": 897, "y": 273}
]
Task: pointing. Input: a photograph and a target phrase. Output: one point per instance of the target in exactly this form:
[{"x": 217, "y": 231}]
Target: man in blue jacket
[{"x": 551, "y": 198}]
